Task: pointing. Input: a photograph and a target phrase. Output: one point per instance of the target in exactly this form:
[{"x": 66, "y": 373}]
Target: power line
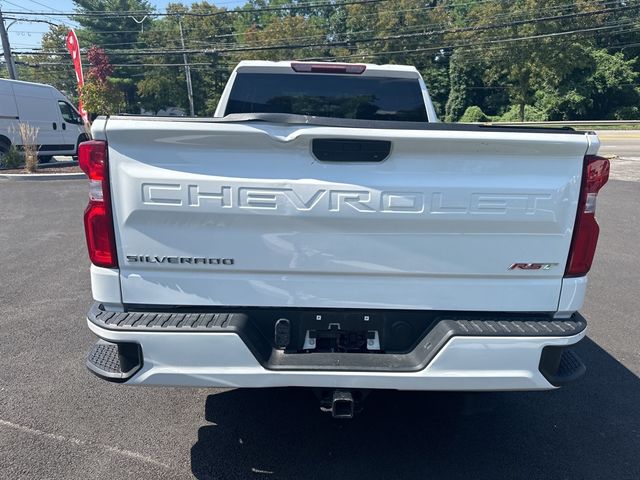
[
  {"x": 27, "y": 11},
  {"x": 232, "y": 64},
  {"x": 432, "y": 33},
  {"x": 324, "y": 34},
  {"x": 212, "y": 37},
  {"x": 411, "y": 35},
  {"x": 285, "y": 8},
  {"x": 144, "y": 52},
  {"x": 46, "y": 6},
  {"x": 473, "y": 44},
  {"x": 376, "y": 13},
  {"x": 362, "y": 55},
  {"x": 625, "y": 28},
  {"x": 290, "y": 7},
  {"x": 239, "y": 49},
  {"x": 70, "y": 64},
  {"x": 473, "y": 59}
]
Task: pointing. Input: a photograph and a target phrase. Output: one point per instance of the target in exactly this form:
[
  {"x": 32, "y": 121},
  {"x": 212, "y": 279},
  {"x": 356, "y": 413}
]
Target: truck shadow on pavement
[{"x": 590, "y": 429}]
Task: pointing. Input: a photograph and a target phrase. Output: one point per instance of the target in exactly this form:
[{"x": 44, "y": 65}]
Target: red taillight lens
[
  {"x": 586, "y": 230},
  {"x": 92, "y": 157},
  {"x": 348, "y": 68},
  {"x": 98, "y": 220}
]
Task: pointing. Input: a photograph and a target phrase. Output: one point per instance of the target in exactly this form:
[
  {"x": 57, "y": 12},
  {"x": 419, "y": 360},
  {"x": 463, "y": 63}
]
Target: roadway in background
[{"x": 624, "y": 145}]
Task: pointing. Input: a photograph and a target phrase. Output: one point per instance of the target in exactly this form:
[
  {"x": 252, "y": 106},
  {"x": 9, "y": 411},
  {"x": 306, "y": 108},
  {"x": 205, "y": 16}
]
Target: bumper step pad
[
  {"x": 561, "y": 365},
  {"x": 116, "y": 362}
]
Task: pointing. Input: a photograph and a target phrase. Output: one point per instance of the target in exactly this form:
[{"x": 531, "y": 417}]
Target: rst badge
[{"x": 532, "y": 266}]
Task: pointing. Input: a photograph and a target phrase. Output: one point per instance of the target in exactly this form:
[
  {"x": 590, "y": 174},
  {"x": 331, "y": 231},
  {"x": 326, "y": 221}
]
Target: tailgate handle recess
[{"x": 350, "y": 150}]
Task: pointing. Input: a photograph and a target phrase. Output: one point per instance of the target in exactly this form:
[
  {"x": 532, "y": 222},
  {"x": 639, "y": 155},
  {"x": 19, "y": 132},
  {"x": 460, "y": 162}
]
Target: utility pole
[
  {"x": 7, "y": 49},
  {"x": 187, "y": 72}
]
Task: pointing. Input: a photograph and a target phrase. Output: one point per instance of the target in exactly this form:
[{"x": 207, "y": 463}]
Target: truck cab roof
[{"x": 370, "y": 69}]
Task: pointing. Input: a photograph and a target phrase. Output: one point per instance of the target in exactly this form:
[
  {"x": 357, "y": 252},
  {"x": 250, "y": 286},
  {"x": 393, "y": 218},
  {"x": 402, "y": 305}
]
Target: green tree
[
  {"x": 504, "y": 57},
  {"x": 116, "y": 33},
  {"x": 436, "y": 77},
  {"x": 525, "y": 65},
  {"x": 459, "y": 80},
  {"x": 165, "y": 86},
  {"x": 607, "y": 88},
  {"x": 161, "y": 88},
  {"x": 283, "y": 32},
  {"x": 99, "y": 95},
  {"x": 101, "y": 98},
  {"x": 467, "y": 86}
]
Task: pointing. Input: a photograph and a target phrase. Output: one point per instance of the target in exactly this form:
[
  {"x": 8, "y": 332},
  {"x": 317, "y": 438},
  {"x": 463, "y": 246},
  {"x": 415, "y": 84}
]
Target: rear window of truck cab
[{"x": 327, "y": 95}]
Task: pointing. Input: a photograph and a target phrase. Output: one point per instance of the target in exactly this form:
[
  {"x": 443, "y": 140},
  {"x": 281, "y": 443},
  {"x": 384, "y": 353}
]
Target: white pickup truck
[{"x": 324, "y": 230}]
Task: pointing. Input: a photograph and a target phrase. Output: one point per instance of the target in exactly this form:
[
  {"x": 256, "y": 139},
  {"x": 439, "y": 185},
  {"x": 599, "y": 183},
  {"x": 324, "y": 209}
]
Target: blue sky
[{"x": 25, "y": 36}]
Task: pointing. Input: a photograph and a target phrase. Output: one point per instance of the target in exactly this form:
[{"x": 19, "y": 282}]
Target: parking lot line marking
[{"x": 83, "y": 443}]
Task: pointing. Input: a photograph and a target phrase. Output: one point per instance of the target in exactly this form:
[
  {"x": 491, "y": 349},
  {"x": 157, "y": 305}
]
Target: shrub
[
  {"x": 629, "y": 112},
  {"x": 11, "y": 158},
  {"x": 102, "y": 98},
  {"x": 474, "y": 114},
  {"x": 531, "y": 114}
]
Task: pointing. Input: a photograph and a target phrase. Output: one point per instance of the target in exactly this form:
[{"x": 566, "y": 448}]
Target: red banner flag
[{"x": 74, "y": 50}]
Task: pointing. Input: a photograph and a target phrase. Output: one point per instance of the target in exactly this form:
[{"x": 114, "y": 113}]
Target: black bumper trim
[{"x": 445, "y": 325}]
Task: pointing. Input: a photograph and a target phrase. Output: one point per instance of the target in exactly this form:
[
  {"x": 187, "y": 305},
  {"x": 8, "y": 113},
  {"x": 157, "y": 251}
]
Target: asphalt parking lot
[{"x": 58, "y": 421}]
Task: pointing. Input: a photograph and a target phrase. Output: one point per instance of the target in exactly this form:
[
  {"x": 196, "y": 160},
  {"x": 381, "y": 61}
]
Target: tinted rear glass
[{"x": 336, "y": 96}]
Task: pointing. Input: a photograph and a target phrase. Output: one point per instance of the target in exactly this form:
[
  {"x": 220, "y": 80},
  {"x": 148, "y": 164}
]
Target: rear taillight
[
  {"x": 348, "y": 68},
  {"x": 585, "y": 233},
  {"x": 98, "y": 220}
]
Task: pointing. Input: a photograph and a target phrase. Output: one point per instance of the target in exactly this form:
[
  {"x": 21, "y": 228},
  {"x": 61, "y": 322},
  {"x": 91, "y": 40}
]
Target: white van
[{"x": 60, "y": 126}]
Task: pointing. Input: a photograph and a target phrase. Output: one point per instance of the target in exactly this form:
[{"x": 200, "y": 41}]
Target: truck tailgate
[{"x": 244, "y": 214}]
